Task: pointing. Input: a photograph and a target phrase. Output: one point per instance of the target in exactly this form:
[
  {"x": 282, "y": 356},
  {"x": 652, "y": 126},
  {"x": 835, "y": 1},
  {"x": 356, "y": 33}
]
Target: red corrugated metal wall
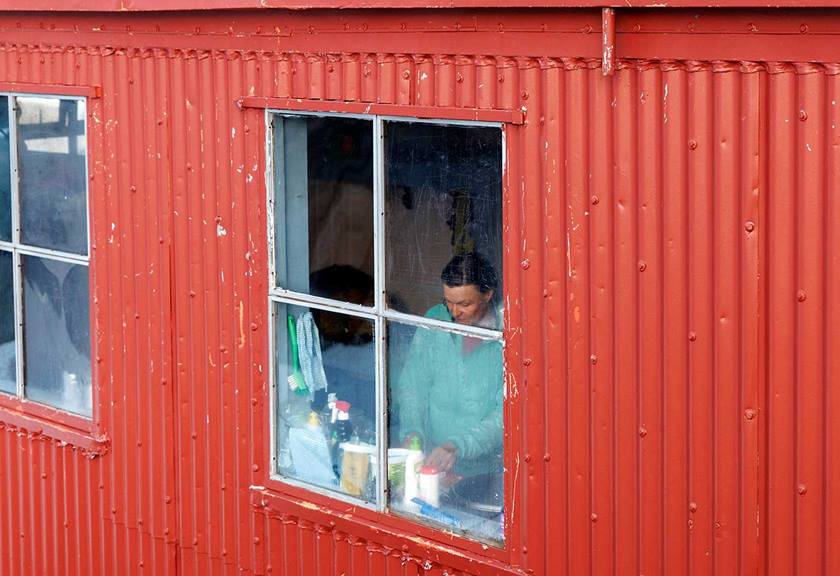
[{"x": 672, "y": 271}]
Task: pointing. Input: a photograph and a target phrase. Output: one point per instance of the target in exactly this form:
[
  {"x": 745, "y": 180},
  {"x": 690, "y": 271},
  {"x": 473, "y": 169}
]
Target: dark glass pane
[
  {"x": 445, "y": 410},
  {"x": 5, "y": 173},
  {"x": 325, "y": 381},
  {"x": 323, "y": 207},
  {"x": 7, "y": 324},
  {"x": 443, "y": 198},
  {"x": 56, "y": 334},
  {"x": 52, "y": 164}
]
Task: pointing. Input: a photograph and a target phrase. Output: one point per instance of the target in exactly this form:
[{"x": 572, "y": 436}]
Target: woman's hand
[{"x": 443, "y": 457}]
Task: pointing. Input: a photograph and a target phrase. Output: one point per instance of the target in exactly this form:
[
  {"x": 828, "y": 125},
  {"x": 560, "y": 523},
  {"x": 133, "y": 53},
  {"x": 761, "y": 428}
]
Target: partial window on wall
[
  {"x": 386, "y": 295},
  {"x": 44, "y": 291}
]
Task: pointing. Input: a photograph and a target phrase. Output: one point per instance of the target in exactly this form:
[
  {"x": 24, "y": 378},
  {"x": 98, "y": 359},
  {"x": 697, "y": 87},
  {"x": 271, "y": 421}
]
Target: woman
[{"x": 450, "y": 389}]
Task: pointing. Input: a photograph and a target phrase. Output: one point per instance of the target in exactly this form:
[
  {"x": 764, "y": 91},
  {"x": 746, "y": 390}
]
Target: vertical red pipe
[{"x": 607, "y": 41}]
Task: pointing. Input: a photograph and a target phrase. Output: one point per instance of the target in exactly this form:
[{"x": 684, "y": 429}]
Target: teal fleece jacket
[{"x": 448, "y": 395}]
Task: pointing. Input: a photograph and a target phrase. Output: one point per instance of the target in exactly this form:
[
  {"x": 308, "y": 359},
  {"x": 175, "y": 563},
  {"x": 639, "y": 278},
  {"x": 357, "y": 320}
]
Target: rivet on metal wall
[
  {"x": 526, "y": 362},
  {"x": 526, "y": 264},
  {"x": 803, "y": 28},
  {"x": 527, "y": 457},
  {"x": 749, "y": 413},
  {"x": 547, "y": 457},
  {"x": 593, "y": 517},
  {"x": 692, "y": 507},
  {"x": 642, "y": 431},
  {"x": 749, "y": 226},
  {"x": 692, "y": 336},
  {"x": 593, "y": 358},
  {"x": 692, "y": 144},
  {"x": 802, "y": 489},
  {"x": 642, "y": 265},
  {"x": 595, "y": 200},
  {"x": 803, "y": 115},
  {"x": 801, "y": 296}
]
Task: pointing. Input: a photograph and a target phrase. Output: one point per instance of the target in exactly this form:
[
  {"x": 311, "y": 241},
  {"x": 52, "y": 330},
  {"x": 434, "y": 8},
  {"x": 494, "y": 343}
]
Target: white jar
[{"x": 430, "y": 485}]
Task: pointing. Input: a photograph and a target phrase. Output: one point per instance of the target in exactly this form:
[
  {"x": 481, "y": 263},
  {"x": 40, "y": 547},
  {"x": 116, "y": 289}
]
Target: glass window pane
[
  {"x": 52, "y": 173},
  {"x": 5, "y": 173},
  {"x": 56, "y": 334},
  {"x": 7, "y": 324},
  {"x": 323, "y": 207},
  {"x": 445, "y": 458},
  {"x": 325, "y": 381},
  {"x": 443, "y": 198}
]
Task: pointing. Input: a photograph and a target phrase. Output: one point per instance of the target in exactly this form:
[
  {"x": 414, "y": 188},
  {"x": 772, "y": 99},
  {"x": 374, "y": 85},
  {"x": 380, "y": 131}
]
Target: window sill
[
  {"x": 372, "y": 525},
  {"x": 38, "y": 420}
]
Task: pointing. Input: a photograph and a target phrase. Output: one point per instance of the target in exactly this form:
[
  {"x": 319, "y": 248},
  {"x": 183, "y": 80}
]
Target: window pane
[
  {"x": 323, "y": 207},
  {"x": 445, "y": 393},
  {"x": 56, "y": 334},
  {"x": 7, "y": 324},
  {"x": 52, "y": 166},
  {"x": 5, "y": 173},
  {"x": 443, "y": 197},
  {"x": 326, "y": 399}
]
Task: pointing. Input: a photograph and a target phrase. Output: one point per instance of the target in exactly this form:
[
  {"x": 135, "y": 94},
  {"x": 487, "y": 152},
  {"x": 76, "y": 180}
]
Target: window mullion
[
  {"x": 17, "y": 276},
  {"x": 380, "y": 328},
  {"x": 13, "y": 165},
  {"x": 17, "y": 291}
]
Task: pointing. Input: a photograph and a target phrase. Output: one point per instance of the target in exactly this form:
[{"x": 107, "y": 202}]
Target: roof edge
[{"x": 207, "y": 5}]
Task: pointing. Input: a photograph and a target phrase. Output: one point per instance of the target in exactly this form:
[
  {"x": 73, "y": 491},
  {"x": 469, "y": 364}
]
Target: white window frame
[
  {"x": 378, "y": 313},
  {"x": 19, "y": 249}
]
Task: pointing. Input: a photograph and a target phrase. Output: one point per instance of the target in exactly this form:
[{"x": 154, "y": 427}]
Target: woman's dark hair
[{"x": 470, "y": 268}]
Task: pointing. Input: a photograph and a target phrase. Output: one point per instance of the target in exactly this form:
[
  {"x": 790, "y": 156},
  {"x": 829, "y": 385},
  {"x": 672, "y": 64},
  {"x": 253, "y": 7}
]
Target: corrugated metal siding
[{"x": 673, "y": 281}]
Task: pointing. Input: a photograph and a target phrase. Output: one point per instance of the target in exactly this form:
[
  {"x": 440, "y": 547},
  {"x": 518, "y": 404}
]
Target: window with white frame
[
  {"x": 44, "y": 292},
  {"x": 385, "y": 296}
]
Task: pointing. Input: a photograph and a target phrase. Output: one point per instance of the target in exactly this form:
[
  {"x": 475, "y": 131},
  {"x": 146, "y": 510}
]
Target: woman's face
[{"x": 467, "y": 304}]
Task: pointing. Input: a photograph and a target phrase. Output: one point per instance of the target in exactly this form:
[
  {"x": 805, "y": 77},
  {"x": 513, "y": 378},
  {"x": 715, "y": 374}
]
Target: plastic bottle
[
  {"x": 343, "y": 424},
  {"x": 413, "y": 461},
  {"x": 314, "y": 423}
]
